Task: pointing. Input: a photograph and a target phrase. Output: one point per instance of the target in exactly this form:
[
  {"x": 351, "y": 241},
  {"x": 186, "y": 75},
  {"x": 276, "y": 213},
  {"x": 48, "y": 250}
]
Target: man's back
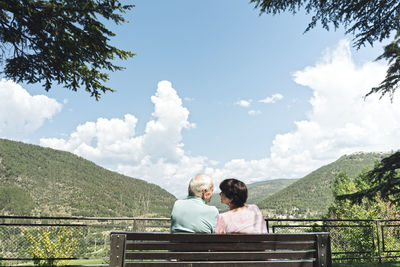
[{"x": 193, "y": 215}]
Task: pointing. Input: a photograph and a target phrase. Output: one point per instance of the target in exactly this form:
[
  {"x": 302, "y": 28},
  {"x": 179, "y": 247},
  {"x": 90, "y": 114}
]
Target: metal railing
[
  {"x": 372, "y": 241},
  {"x": 25, "y": 239},
  {"x": 80, "y": 240}
]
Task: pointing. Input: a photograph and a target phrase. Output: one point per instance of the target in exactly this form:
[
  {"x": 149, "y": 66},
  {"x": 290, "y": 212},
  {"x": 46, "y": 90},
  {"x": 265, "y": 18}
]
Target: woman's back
[{"x": 247, "y": 219}]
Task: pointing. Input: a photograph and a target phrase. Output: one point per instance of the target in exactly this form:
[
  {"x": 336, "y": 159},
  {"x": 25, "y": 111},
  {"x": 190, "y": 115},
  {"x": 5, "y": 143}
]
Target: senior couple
[{"x": 193, "y": 215}]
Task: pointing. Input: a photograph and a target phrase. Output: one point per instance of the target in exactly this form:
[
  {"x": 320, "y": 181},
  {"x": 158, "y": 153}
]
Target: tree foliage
[
  {"x": 375, "y": 207},
  {"x": 367, "y": 21},
  {"x": 292, "y": 201},
  {"x": 62, "y": 41},
  {"x": 392, "y": 81},
  {"x": 358, "y": 239},
  {"x": 59, "y": 183},
  {"x": 15, "y": 200},
  {"x": 52, "y": 247},
  {"x": 384, "y": 179}
]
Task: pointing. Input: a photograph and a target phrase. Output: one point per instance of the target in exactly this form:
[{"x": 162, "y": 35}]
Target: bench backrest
[{"x": 184, "y": 249}]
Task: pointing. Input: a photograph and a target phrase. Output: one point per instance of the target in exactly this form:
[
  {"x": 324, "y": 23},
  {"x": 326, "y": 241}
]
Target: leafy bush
[
  {"x": 47, "y": 245},
  {"x": 359, "y": 239},
  {"x": 2, "y": 262}
]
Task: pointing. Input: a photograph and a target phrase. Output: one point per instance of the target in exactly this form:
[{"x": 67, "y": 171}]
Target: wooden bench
[{"x": 233, "y": 250}]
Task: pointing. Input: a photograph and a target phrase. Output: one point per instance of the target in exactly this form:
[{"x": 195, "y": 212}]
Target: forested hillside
[
  {"x": 42, "y": 181},
  {"x": 256, "y": 191},
  {"x": 311, "y": 195}
]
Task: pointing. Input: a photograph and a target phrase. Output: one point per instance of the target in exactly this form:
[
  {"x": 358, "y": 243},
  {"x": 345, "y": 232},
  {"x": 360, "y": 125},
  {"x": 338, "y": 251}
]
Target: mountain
[
  {"x": 310, "y": 196},
  {"x": 256, "y": 192},
  {"x": 42, "y": 181}
]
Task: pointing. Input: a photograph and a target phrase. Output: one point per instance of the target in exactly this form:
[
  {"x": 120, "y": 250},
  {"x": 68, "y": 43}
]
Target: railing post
[
  {"x": 267, "y": 224},
  {"x": 378, "y": 242},
  {"x": 134, "y": 225}
]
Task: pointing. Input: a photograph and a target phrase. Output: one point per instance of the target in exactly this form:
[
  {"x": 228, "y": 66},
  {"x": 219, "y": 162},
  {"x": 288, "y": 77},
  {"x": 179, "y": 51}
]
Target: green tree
[
  {"x": 367, "y": 208},
  {"x": 15, "y": 201},
  {"x": 62, "y": 41},
  {"x": 367, "y": 21},
  {"x": 355, "y": 239},
  {"x": 3, "y": 262},
  {"x": 384, "y": 180},
  {"x": 48, "y": 245}
]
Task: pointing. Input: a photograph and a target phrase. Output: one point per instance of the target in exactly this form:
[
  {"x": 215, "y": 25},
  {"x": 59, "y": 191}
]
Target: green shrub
[{"x": 46, "y": 245}]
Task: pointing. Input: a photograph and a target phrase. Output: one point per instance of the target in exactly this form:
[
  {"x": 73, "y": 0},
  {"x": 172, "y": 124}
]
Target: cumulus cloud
[
  {"x": 340, "y": 122},
  {"x": 22, "y": 113},
  {"x": 156, "y": 156},
  {"x": 243, "y": 103},
  {"x": 271, "y": 99},
  {"x": 254, "y": 112},
  {"x": 188, "y": 99}
]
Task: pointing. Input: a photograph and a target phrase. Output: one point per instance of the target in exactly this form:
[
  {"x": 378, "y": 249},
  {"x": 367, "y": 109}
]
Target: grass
[{"x": 87, "y": 262}]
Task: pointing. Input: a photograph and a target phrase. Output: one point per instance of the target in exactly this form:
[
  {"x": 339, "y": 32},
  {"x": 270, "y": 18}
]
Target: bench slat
[
  {"x": 200, "y": 238},
  {"x": 150, "y": 245},
  {"x": 215, "y": 256},
  {"x": 230, "y": 250},
  {"x": 300, "y": 263}
]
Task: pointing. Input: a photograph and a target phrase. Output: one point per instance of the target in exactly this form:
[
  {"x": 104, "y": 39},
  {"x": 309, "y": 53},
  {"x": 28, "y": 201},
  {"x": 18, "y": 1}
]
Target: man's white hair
[{"x": 198, "y": 183}]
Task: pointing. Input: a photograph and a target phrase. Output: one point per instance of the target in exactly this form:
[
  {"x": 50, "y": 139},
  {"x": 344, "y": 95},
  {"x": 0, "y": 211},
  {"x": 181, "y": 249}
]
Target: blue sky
[{"x": 215, "y": 88}]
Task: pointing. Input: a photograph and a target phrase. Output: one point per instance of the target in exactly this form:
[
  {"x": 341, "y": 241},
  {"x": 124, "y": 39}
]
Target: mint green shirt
[{"x": 193, "y": 215}]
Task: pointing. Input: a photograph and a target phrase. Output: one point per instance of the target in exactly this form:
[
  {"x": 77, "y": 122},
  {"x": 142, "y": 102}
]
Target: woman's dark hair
[{"x": 235, "y": 190}]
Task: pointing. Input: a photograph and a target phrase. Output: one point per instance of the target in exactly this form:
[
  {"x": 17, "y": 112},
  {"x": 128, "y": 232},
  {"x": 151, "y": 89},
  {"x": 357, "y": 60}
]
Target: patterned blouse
[{"x": 247, "y": 220}]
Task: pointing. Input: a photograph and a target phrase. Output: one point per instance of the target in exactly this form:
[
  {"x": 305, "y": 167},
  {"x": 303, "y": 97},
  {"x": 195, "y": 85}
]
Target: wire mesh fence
[
  {"x": 352, "y": 241},
  {"x": 80, "y": 241},
  {"x": 51, "y": 241}
]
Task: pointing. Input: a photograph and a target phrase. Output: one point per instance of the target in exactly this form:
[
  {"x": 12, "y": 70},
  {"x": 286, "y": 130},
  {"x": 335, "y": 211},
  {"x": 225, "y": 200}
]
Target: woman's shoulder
[
  {"x": 228, "y": 215},
  {"x": 253, "y": 207}
]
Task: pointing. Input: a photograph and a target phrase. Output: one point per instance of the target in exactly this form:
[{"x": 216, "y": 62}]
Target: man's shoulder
[
  {"x": 211, "y": 209},
  {"x": 195, "y": 204},
  {"x": 183, "y": 201}
]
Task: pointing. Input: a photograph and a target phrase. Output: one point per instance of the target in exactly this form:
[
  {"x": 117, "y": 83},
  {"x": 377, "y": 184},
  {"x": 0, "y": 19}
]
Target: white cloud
[
  {"x": 339, "y": 122},
  {"x": 254, "y": 112},
  {"x": 22, "y": 113},
  {"x": 188, "y": 99},
  {"x": 271, "y": 99},
  {"x": 243, "y": 103},
  {"x": 156, "y": 156}
]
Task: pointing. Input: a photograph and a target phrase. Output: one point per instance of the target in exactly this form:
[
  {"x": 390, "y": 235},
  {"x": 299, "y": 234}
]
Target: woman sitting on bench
[{"x": 241, "y": 218}]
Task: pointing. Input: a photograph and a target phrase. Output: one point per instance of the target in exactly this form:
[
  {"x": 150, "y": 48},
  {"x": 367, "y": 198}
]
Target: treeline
[
  {"x": 367, "y": 206},
  {"x": 310, "y": 196},
  {"x": 42, "y": 181}
]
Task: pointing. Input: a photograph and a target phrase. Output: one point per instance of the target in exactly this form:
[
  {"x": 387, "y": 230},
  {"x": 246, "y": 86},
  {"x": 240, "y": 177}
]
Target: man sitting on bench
[{"x": 192, "y": 214}]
